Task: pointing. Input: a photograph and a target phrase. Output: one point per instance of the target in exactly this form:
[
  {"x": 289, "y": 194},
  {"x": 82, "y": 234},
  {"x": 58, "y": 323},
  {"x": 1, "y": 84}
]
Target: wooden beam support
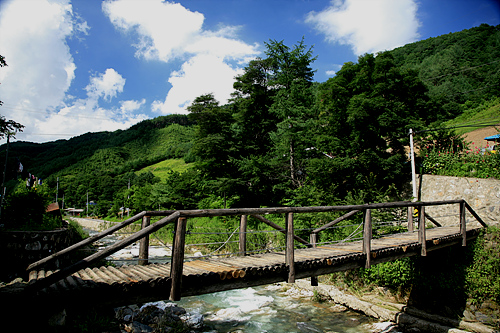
[
  {"x": 337, "y": 220},
  {"x": 463, "y": 227},
  {"x": 367, "y": 236},
  {"x": 421, "y": 230},
  {"x": 410, "y": 218},
  {"x": 178, "y": 259},
  {"x": 313, "y": 239},
  {"x": 86, "y": 241},
  {"x": 56, "y": 276},
  {"x": 469, "y": 208},
  {"x": 280, "y": 229},
  {"x": 290, "y": 258},
  {"x": 427, "y": 216},
  {"x": 243, "y": 235},
  {"x": 144, "y": 243}
]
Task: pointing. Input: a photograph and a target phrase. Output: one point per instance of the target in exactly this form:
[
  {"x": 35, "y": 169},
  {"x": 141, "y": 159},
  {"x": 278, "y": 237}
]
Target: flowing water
[{"x": 274, "y": 308}]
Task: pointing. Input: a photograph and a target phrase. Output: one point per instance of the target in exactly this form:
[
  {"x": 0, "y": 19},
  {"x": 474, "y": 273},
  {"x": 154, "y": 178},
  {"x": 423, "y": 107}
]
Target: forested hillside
[
  {"x": 283, "y": 139},
  {"x": 461, "y": 69}
]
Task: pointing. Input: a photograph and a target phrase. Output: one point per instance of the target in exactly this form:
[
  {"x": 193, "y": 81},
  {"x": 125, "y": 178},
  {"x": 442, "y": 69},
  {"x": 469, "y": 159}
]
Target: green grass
[
  {"x": 486, "y": 113},
  {"x": 163, "y": 168}
]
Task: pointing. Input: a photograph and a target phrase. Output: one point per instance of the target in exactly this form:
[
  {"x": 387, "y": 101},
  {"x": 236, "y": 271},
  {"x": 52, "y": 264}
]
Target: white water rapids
[{"x": 275, "y": 308}]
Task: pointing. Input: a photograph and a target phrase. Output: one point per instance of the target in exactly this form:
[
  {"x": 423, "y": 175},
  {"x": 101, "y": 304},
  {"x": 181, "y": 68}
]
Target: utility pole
[
  {"x": 413, "y": 176},
  {"x": 57, "y": 188},
  {"x": 4, "y": 172}
]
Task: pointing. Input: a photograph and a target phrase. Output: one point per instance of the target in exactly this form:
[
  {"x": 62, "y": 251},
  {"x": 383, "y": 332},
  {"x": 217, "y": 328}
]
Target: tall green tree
[
  {"x": 213, "y": 144},
  {"x": 365, "y": 113},
  {"x": 291, "y": 78}
]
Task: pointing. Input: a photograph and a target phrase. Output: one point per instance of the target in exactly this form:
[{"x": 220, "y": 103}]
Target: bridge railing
[{"x": 180, "y": 219}]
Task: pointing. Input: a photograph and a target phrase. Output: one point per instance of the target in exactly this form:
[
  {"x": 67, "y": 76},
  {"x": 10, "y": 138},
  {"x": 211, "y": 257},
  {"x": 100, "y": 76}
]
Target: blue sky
[{"x": 78, "y": 66}]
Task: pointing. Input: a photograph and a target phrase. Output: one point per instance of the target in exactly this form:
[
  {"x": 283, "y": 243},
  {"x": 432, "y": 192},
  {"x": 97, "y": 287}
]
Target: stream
[{"x": 273, "y": 308}]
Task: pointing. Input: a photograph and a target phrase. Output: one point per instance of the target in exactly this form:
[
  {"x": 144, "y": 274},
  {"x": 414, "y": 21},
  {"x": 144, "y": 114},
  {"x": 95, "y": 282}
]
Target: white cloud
[
  {"x": 131, "y": 106},
  {"x": 106, "y": 85},
  {"x": 40, "y": 66},
  {"x": 368, "y": 26},
  {"x": 41, "y": 69},
  {"x": 163, "y": 27},
  {"x": 202, "y": 74},
  {"x": 168, "y": 31},
  {"x": 332, "y": 72}
]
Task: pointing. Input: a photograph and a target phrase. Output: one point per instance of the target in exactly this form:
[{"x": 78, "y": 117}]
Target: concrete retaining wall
[{"x": 483, "y": 195}]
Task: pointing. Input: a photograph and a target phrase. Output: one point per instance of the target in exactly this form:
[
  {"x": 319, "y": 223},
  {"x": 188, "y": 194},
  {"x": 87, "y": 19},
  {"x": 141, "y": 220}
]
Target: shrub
[
  {"x": 483, "y": 276},
  {"x": 24, "y": 209},
  {"x": 466, "y": 163}
]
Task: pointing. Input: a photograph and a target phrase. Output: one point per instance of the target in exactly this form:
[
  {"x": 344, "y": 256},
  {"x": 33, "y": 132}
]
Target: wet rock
[
  {"x": 160, "y": 316},
  {"x": 338, "y": 308},
  {"x": 484, "y": 318},
  {"x": 468, "y": 316},
  {"x": 192, "y": 320},
  {"x": 413, "y": 330},
  {"x": 137, "y": 327}
]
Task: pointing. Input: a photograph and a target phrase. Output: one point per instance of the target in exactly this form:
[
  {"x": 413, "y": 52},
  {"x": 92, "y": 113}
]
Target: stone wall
[
  {"x": 21, "y": 248},
  {"x": 483, "y": 195}
]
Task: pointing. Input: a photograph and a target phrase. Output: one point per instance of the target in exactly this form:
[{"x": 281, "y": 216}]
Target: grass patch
[
  {"x": 486, "y": 113},
  {"x": 162, "y": 169}
]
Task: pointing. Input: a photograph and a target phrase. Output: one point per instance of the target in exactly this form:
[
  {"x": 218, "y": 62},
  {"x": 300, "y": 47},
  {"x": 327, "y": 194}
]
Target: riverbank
[{"x": 409, "y": 319}]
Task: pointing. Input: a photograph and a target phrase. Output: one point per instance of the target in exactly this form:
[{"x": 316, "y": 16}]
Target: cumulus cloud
[
  {"x": 32, "y": 40},
  {"x": 86, "y": 114},
  {"x": 200, "y": 75},
  {"x": 166, "y": 31},
  {"x": 41, "y": 69},
  {"x": 106, "y": 85},
  {"x": 368, "y": 26}
]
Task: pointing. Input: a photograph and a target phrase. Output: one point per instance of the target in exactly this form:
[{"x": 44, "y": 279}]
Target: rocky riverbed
[{"x": 252, "y": 314}]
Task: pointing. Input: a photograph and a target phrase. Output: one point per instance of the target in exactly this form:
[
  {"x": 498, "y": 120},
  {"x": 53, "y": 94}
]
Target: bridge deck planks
[{"x": 208, "y": 275}]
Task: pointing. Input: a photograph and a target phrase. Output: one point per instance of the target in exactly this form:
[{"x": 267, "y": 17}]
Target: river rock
[
  {"x": 158, "y": 317},
  {"x": 468, "y": 316},
  {"x": 137, "y": 327},
  {"x": 192, "y": 320},
  {"x": 484, "y": 318}
]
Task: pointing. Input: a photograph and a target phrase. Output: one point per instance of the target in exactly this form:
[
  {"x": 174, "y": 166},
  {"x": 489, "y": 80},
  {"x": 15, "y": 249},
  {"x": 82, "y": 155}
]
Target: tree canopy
[{"x": 282, "y": 139}]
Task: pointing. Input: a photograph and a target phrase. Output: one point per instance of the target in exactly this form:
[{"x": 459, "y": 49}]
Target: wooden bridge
[{"x": 300, "y": 259}]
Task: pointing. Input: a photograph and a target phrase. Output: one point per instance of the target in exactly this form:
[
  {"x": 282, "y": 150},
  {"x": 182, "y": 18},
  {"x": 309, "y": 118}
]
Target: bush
[
  {"x": 466, "y": 163},
  {"x": 483, "y": 276},
  {"x": 24, "y": 209}
]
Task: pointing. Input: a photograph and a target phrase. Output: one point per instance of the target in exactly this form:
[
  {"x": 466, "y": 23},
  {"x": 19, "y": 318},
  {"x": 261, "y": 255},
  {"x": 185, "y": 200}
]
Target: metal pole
[
  {"x": 4, "y": 172},
  {"x": 413, "y": 176},
  {"x": 57, "y": 188}
]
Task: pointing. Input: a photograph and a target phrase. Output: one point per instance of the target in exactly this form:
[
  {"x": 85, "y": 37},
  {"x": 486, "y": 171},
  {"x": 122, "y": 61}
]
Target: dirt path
[{"x": 476, "y": 138}]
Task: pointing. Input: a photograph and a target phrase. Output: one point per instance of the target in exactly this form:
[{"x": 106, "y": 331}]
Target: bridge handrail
[{"x": 183, "y": 214}]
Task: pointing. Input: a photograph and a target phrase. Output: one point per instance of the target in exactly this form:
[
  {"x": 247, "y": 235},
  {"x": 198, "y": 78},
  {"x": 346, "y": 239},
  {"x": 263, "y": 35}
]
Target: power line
[
  {"x": 54, "y": 114},
  {"x": 451, "y": 127},
  {"x": 460, "y": 71}
]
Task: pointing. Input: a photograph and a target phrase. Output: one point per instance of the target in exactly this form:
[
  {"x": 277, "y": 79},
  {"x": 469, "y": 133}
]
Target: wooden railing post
[
  {"x": 463, "y": 229},
  {"x": 421, "y": 230},
  {"x": 410, "y": 219},
  {"x": 178, "y": 259},
  {"x": 313, "y": 238},
  {"x": 243, "y": 235},
  {"x": 367, "y": 236},
  {"x": 144, "y": 243},
  {"x": 290, "y": 257}
]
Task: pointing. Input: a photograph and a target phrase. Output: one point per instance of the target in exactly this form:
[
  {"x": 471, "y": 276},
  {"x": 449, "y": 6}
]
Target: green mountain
[
  {"x": 460, "y": 69},
  {"x": 458, "y": 73}
]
